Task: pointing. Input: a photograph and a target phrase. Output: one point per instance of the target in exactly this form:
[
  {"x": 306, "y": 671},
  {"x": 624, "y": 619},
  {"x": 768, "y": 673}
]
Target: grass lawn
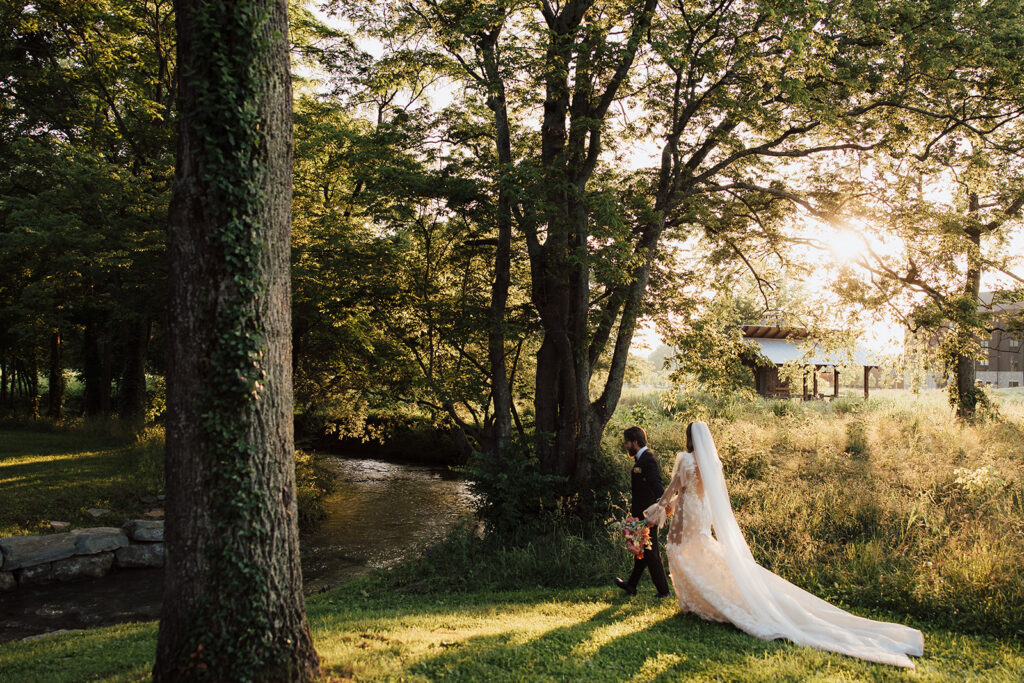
[
  {"x": 57, "y": 476},
  {"x": 538, "y": 634}
]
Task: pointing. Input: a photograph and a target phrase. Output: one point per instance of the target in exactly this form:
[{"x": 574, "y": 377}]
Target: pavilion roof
[{"x": 784, "y": 345}]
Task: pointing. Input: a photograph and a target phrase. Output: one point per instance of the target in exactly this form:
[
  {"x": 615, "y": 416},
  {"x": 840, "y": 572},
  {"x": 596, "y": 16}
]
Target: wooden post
[
  {"x": 805, "y": 384},
  {"x": 835, "y": 382},
  {"x": 816, "y": 381},
  {"x": 867, "y": 370}
]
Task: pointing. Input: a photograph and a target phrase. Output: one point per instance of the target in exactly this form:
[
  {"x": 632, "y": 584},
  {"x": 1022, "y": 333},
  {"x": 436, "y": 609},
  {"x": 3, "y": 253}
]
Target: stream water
[{"x": 379, "y": 514}]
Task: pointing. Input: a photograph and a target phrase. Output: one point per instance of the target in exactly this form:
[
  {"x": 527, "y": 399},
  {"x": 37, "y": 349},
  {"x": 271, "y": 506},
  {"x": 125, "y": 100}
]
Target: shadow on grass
[
  {"x": 668, "y": 648},
  {"x": 57, "y": 476},
  {"x": 622, "y": 640}
]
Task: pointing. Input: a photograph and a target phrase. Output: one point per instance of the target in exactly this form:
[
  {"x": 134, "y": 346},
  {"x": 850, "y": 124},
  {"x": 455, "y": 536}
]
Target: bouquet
[{"x": 636, "y": 535}]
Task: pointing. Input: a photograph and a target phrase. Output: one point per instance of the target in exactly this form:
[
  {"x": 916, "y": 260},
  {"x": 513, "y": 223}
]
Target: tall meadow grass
[{"x": 888, "y": 503}]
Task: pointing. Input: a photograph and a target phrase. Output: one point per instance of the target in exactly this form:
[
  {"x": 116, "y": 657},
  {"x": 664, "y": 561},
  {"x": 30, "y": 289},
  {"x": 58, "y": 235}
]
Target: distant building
[
  {"x": 782, "y": 345},
  {"x": 1003, "y": 367},
  {"x": 1003, "y": 364}
]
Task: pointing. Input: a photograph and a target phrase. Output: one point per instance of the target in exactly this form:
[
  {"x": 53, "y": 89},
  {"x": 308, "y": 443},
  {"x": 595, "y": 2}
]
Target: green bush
[
  {"x": 514, "y": 494},
  {"x": 856, "y": 438},
  {"x": 558, "y": 554}
]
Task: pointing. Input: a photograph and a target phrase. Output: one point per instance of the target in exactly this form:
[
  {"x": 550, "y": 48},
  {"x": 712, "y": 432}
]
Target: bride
[{"x": 717, "y": 578}]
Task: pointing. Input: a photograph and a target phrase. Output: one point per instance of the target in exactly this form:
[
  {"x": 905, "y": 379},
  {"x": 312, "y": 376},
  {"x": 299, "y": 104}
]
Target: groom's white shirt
[{"x": 640, "y": 452}]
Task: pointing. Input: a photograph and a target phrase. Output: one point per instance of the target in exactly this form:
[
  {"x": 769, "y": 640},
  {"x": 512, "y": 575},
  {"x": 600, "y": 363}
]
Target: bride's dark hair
[{"x": 689, "y": 438}]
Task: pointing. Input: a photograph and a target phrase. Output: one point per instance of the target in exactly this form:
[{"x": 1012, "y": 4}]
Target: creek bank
[
  {"x": 80, "y": 553},
  {"x": 378, "y": 514}
]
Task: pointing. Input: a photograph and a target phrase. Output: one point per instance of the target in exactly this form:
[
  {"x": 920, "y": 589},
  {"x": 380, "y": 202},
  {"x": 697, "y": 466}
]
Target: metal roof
[{"x": 788, "y": 350}]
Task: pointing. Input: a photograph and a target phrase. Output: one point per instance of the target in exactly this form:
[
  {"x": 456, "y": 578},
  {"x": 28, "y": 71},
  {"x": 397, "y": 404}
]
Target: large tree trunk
[
  {"x": 33, "y": 383},
  {"x": 569, "y": 426},
  {"x": 56, "y": 402},
  {"x": 233, "y": 607},
  {"x": 500, "y": 389},
  {"x": 97, "y": 360},
  {"x": 90, "y": 369},
  {"x": 106, "y": 368}
]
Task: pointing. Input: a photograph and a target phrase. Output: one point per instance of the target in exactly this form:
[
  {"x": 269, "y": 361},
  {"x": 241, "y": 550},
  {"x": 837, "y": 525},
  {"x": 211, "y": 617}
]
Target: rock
[
  {"x": 97, "y": 512},
  {"x": 141, "y": 555},
  {"x": 38, "y": 636},
  {"x": 148, "y": 500},
  {"x": 161, "y": 497},
  {"x": 145, "y": 530},
  {"x": 30, "y": 576},
  {"x": 155, "y": 514},
  {"x": 59, "y": 525},
  {"x": 82, "y": 566},
  {"x": 99, "y": 539},
  {"x": 25, "y": 551},
  {"x": 7, "y": 582}
]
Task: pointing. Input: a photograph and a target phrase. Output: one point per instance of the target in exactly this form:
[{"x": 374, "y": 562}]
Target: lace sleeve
[{"x": 657, "y": 513}]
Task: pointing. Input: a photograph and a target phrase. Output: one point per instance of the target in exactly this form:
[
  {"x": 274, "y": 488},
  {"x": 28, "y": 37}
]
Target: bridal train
[{"x": 716, "y": 577}]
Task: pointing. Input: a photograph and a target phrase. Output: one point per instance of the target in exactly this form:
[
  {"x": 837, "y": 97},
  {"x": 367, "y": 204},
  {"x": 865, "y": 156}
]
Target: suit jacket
[{"x": 647, "y": 484}]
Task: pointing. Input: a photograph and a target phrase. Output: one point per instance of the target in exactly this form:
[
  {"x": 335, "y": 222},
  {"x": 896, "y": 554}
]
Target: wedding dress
[{"x": 717, "y": 578}]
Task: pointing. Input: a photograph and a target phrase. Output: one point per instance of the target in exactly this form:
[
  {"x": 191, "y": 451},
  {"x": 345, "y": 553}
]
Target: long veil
[{"x": 789, "y": 611}]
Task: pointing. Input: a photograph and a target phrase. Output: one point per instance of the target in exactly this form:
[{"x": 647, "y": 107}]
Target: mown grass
[
  {"x": 50, "y": 472},
  {"x": 594, "y": 634},
  {"x": 58, "y": 475}
]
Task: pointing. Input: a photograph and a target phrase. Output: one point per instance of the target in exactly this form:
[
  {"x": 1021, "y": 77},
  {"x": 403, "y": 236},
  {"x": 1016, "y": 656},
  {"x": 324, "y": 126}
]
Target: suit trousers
[{"x": 652, "y": 562}]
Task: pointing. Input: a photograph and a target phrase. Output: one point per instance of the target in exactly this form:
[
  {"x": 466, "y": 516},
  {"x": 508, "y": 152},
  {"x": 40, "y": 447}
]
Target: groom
[{"x": 647, "y": 489}]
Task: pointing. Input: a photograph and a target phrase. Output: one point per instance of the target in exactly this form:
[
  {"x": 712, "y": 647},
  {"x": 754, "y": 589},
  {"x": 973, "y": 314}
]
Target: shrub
[
  {"x": 856, "y": 438},
  {"x": 514, "y": 494}
]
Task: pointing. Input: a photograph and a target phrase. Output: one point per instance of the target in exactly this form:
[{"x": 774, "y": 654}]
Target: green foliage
[
  {"x": 641, "y": 414},
  {"x": 943, "y": 199},
  {"x": 404, "y": 248},
  {"x": 86, "y": 163},
  {"x": 710, "y": 352},
  {"x": 156, "y": 399},
  {"x": 515, "y": 496}
]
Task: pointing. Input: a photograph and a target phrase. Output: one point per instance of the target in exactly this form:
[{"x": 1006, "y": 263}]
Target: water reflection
[{"x": 379, "y": 513}]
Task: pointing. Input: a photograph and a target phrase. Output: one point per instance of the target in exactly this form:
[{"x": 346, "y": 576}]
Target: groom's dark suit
[{"x": 647, "y": 489}]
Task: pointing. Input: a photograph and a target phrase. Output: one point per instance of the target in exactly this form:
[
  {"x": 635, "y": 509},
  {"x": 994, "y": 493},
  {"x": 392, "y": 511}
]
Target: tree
[
  {"x": 86, "y": 133},
  {"x": 405, "y": 246},
  {"x": 723, "y": 89},
  {"x": 233, "y": 607},
  {"x": 938, "y": 204}
]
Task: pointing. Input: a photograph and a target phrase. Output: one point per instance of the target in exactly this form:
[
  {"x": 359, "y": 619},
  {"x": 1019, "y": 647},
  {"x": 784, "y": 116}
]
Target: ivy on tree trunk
[{"x": 233, "y": 607}]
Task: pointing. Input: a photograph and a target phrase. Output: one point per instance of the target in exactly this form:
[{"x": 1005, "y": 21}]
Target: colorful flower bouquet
[{"x": 636, "y": 534}]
